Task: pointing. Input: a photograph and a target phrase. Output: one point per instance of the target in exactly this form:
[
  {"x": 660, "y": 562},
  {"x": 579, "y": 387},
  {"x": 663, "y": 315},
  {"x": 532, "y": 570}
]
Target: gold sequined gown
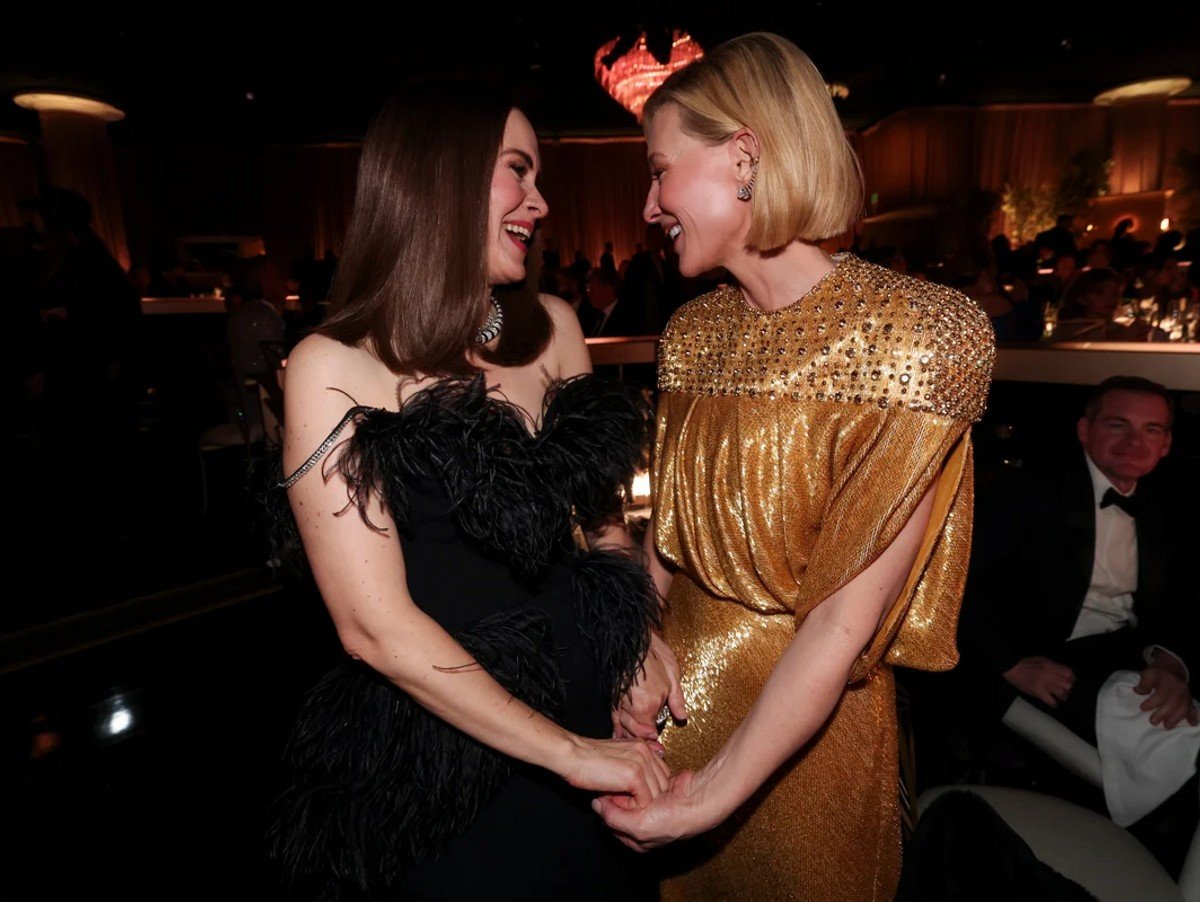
[{"x": 791, "y": 448}]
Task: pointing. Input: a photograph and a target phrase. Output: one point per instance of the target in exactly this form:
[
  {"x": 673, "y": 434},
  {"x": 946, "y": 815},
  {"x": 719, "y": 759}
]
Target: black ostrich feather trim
[
  {"x": 616, "y": 604},
  {"x": 380, "y": 783},
  {"x": 512, "y": 490},
  {"x": 598, "y": 432}
]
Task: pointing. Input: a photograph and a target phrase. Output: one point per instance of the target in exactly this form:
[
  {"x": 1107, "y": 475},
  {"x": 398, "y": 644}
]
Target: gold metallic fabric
[{"x": 791, "y": 449}]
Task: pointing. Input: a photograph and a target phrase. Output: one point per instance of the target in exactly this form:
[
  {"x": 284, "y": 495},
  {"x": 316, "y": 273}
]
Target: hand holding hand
[
  {"x": 636, "y": 716},
  {"x": 1041, "y": 678},
  {"x": 683, "y": 811},
  {"x": 623, "y": 766},
  {"x": 1170, "y": 699}
]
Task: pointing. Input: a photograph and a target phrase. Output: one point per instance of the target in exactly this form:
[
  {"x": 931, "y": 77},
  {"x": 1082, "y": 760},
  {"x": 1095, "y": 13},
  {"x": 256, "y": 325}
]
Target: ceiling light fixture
[
  {"x": 71, "y": 103},
  {"x": 1143, "y": 90},
  {"x": 633, "y": 75}
]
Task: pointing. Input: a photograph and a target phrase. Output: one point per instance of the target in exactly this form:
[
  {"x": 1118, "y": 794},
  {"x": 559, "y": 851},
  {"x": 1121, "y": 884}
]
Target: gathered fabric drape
[
  {"x": 1139, "y": 132},
  {"x": 1182, "y": 133},
  {"x": 928, "y": 155},
  {"x": 308, "y": 197},
  {"x": 917, "y": 155},
  {"x": 300, "y": 197},
  {"x": 596, "y": 190},
  {"x": 1029, "y": 146}
]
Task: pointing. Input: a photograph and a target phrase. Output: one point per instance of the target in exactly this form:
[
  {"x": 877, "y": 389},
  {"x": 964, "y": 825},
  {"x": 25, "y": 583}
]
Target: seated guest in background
[
  {"x": 605, "y": 313},
  {"x": 563, "y": 284},
  {"x": 579, "y": 267},
  {"x": 644, "y": 284},
  {"x": 256, "y": 334},
  {"x": 1013, "y": 315},
  {"x": 1059, "y": 238},
  {"x": 1049, "y": 288},
  {"x": 1076, "y": 574},
  {"x": 1088, "y": 307},
  {"x": 1124, "y": 245},
  {"x": 1065, "y": 267},
  {"x": 1008, "y": 307}
]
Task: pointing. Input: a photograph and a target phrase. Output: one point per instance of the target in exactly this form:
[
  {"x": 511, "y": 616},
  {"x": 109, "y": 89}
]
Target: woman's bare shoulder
[
  {"x": 319, "y": 363},
  {"x": 567, "y": 348},
  {"x": 561, "y": 313}
]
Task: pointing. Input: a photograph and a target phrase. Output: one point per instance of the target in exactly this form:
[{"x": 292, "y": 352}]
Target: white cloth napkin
[{"x": 1142, "y": 764}]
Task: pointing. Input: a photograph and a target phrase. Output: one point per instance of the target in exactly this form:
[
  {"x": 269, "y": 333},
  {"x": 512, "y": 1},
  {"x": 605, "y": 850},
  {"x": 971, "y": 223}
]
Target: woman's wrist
[
  {"x": 557, "y": 750},
  {"x": 716, "y": 792}
]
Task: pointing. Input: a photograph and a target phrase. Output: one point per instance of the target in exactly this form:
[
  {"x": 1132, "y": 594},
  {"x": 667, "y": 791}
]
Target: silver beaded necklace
[{"x": 491, "y": 326}]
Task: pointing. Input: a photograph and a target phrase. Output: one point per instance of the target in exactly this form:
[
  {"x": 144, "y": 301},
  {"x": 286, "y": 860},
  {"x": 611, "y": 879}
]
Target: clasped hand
[
  {"x": 672, "y": 814},
  {"x": 629, "y": 768},
  {"x": 658, "y": 684},
  {"x": 680, "y": 812}
]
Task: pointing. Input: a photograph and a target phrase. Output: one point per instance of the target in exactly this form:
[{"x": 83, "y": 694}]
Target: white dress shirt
[{"x": 1108, "y": 605}]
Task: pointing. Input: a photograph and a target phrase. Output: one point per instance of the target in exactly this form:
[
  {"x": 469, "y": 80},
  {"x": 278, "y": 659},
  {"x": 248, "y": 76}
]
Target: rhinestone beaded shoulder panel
[{"x": 863, "y": 335}]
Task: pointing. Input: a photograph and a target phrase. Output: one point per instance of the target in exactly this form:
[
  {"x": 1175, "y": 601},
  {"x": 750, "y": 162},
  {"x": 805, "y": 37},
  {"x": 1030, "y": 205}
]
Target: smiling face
[
  {"x": 516, "y": 205},
  {"x": 1127, "y": 436},
  {"x": 1102, "y": 301},
  {"x": 693, "y": 193}
]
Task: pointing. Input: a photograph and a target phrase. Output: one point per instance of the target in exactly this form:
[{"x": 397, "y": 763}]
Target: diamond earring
[{"x": 745, "y": 191}]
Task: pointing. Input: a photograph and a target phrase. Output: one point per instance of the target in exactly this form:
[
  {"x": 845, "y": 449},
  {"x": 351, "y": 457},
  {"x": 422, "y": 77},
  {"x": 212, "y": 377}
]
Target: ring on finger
[{"x": 663, "y": 716}]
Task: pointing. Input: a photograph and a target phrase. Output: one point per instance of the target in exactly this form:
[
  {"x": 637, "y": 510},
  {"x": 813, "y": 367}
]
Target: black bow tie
[{"x": 1127, "y": 503}]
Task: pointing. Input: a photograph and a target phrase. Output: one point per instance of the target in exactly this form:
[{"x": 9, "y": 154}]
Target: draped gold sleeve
[{"x": 890, "y": 463}]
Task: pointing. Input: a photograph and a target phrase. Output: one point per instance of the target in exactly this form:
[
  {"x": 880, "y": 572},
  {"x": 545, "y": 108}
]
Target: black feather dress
[{"x": 387, "y": 800}]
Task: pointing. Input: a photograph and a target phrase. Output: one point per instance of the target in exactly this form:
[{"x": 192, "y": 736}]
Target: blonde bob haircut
[{"x": 809, "y": 183}]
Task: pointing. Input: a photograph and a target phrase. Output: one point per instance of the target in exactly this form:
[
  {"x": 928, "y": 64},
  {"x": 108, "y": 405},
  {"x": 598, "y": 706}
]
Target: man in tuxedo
[
  {"x": 1075, "y": 572},
  {"x": 607, "y": 313}
]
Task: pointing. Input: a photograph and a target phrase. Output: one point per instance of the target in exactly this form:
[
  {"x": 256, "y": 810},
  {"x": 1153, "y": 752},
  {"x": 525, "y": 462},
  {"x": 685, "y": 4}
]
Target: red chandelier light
[{"x": 633, "y": 77}]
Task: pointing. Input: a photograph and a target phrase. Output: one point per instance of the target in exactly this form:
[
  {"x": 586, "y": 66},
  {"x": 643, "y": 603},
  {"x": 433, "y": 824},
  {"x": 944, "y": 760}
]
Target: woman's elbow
[
  {"x": 844, "y": 625},
  {"x": 372, "y": 647}
]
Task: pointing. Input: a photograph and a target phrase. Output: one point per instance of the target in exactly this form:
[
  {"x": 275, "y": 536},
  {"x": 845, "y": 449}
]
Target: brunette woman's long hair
[{"x": 412, "y": 281}]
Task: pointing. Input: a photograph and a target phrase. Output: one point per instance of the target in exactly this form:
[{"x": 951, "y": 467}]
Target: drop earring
[{"x": 745, "y": 191}]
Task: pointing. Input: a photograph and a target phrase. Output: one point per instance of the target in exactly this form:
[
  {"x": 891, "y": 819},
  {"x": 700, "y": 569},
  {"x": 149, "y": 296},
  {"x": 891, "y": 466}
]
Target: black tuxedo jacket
[
  {"x": 625, "y": 319},
  {"x": 589, "y": 318},
  {"x": 1031, "y": 565}
]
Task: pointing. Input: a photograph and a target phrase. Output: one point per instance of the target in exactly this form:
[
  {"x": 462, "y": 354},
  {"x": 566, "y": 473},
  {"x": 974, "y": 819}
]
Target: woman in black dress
[{"x": 443, "y": 442}]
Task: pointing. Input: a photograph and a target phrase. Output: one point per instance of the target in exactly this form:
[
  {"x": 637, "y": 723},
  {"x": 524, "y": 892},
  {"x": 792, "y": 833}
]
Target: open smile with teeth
[
  {"x": 674, "y": 231},
  {"x": 519, "y": 233}
]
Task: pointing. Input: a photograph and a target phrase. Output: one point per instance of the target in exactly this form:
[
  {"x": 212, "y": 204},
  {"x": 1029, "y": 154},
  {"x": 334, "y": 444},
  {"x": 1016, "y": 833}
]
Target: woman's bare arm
[{"x": 361, "y": 575}]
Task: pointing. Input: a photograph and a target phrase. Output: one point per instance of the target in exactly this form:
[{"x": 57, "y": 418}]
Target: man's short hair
[{"x": 1128, "y": 383}]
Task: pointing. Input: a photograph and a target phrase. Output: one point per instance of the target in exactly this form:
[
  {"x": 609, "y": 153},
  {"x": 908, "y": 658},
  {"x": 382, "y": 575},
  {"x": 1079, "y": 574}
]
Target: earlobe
[
  {"x": 746, "y": 190},
  {"x": 743, "y": 149}
]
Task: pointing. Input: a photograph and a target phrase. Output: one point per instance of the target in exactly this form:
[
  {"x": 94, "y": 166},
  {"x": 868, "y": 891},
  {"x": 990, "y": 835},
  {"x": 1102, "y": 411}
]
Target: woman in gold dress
[{"x": 813, "y": 493}]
